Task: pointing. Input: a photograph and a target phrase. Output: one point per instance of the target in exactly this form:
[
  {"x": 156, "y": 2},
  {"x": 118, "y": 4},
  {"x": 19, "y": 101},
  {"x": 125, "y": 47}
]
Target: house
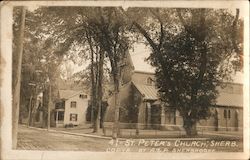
[
  {"x": 71, "y": 108},
  {"x": 140, "y": 106}
]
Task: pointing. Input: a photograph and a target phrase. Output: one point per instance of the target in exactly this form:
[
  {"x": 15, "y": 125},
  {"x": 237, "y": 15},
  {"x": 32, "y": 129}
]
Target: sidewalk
[
  {"x": 231, "y": 134},
  {"x": 131, "y": 133},
  {"x": 125, "y": 133},
  {"x": 86, "y": 133},
  {"x": 149, "y": 134}
]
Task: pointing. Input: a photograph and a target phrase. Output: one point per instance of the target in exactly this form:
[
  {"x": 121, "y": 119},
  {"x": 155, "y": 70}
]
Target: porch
[{"x": 59, "y": 113}]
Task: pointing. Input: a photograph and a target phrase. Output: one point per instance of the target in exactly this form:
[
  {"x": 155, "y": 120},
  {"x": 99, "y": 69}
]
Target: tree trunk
[
  {"x": 189, "y": 125},
  {"x": 99, "y": 92},
  {"x": 49, "y": 105},
  {"x": 96, "y": 94},
  {"x": 44, "y": 114},
  {"x": 33, "y": 110},
  {"x": 93, "y": 84},
  {"x": 117, "y": 105},
  {"x": 29, "y": 113},
  {"x": 17, "y": 85},
  {"x": 93, "y": 93},
  {"x": 44, "y": 121}
]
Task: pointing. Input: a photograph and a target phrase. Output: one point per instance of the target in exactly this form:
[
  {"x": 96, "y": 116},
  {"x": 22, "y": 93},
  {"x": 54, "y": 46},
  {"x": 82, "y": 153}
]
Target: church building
[{"x": 140, "y": 105}]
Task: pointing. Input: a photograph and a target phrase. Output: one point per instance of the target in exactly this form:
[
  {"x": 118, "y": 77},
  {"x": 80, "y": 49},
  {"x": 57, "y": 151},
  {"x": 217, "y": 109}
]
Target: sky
[{"x": 141, "y": 52}]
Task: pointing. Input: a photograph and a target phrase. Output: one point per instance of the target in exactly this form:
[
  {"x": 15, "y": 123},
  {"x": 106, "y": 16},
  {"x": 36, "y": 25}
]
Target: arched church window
[
  {"x": 149, "y": 81},
  {"x": 225, "y": 113},
  {"x": 229, "y": 113},
  {"x": 236, "y": 114}
]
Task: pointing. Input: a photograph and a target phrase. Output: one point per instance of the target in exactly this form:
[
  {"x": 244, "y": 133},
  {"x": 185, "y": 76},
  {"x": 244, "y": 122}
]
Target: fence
[{"x": 137, "y": 130}]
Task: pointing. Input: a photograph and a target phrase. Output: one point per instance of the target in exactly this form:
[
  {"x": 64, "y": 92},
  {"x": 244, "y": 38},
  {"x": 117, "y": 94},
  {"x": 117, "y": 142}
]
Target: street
[
  {"x": 41, "y": 139},
  {"x": 33, "y": 139}
]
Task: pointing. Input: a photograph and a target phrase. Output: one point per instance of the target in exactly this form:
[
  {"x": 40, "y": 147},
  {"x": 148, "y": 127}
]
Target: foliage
[
  {"x": 39, "y": 62},
  {"x": 189, "y": 56}
]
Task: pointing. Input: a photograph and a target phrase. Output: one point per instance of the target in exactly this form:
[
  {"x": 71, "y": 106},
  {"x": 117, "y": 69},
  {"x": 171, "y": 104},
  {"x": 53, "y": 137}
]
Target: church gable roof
[{"x": 149, "y": 92}]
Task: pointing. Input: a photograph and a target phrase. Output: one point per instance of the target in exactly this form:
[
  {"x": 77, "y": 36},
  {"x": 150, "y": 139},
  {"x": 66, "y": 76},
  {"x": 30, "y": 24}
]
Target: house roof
[
  {"x": 230, "y": 99},
  {"x": 149, "y": 92},
  {"x": 66, "y": 94},
  {"x": 144, "y": 72}
]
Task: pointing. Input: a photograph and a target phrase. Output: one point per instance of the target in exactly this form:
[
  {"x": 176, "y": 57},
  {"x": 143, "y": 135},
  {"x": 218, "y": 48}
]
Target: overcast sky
[{"x": 139, "y": 54}]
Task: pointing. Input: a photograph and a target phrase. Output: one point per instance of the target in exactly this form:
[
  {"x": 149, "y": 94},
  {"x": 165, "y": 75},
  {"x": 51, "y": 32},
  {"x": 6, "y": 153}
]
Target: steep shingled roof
[
  {"x": 66, "y": 94},
  {"x": 224, "y": 98},
  {"x": 149, "y": 92},
  {"x": 229, "y": 99}
]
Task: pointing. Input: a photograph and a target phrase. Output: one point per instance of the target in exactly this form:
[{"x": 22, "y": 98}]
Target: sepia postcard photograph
[{"x": 124, "y": 80}]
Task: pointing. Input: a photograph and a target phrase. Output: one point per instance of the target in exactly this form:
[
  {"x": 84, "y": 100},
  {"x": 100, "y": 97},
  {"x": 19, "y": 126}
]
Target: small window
[
  {"x": 225, "y": 113},
  {"x": 73, "y": 117},
  {"x": 150, "y": 81},
  {"x": 83, "y": 96},
  {"x": 73, "y": 104},
  {"x": 229, "y": 114}
]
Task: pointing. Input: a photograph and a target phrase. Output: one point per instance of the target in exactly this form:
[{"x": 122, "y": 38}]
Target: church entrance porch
[{"x": 154, "y": 116}]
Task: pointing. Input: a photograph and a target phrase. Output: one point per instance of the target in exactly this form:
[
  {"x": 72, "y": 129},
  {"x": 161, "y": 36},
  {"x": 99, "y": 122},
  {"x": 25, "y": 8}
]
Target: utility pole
[{"x": 17, "y": 85}]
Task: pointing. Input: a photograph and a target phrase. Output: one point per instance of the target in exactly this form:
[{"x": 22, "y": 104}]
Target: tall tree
[
  {"x": 112, "y": 35},
  {"x": 96, "y": 70}
]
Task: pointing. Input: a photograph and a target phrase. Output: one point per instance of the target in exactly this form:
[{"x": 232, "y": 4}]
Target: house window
[
  {"x": 83, "y": 96},
  {"x": 73, "y": 104},
  {"x": 73, "y": 117},
  {"x": 225, "y": 113},
  {"x": 149, "y": 81}
]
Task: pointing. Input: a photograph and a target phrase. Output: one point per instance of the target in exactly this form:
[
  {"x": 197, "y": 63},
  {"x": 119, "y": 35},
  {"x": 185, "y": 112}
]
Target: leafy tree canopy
[{"x": 193, "y": 51}]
